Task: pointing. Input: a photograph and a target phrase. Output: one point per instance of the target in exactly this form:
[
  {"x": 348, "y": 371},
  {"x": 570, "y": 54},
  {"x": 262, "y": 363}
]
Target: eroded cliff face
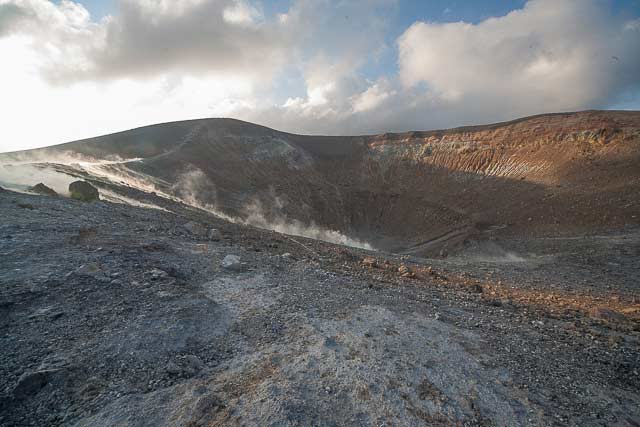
[
  {"x": 416, "y": 192},
  {"x": 560, "y": 173},
  {"x": 537, "y": 149}
]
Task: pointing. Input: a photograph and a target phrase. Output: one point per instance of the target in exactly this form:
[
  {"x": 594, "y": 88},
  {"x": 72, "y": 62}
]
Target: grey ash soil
[{"x": 113, "y": 315}]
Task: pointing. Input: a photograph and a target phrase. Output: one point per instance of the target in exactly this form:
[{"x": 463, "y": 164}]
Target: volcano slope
[
  {"x": 414, "y": 192},
  {"x": 114, "y": 314}
]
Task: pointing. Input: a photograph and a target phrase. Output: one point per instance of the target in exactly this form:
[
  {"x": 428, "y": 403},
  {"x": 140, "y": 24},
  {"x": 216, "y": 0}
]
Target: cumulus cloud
[
  {"x": 549, "y": 56},
  {"x": 373, "y": 97},
  {"x": 146, "y": 38},
  {"x": 552, "y": 55},
  {"x": 336, "y": 40}
]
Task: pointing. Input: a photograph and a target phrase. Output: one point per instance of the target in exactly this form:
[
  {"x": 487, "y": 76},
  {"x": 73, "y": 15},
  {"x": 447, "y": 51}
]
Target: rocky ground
[{"x": 113, "y": 315}]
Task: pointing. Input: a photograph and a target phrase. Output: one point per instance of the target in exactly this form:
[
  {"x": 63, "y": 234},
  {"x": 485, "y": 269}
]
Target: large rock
[
  {"x": 43, "y": 189},
  {"x": 81, "y": 190}
]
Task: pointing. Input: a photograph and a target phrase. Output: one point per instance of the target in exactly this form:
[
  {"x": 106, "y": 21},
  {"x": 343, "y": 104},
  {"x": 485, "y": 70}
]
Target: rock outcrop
[
  {"x": 83, "y": 191},
  {"x": 43, "y": 190}
]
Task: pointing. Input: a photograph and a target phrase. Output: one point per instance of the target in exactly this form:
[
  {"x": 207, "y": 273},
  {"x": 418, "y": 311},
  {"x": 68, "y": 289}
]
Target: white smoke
[
  {"x": 257, "y": 218},
  {"x": 59, "y": 157},
  {"x": 113, "y": 197},
  {"x": 19, "y": 171},
  {"x": 20, "y": 177},
  {"x": 193, "y": 187}
]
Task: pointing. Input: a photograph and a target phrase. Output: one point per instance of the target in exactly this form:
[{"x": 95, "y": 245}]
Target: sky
[{"x": 77, "y": 69}]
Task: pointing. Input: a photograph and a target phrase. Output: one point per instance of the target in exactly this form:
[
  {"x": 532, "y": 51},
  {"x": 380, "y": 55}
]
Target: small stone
[
  {"x": 90, "y": 269},
  {"x": 173, "y": 369},
  {"x": 369, "y": 261},
  {"x": 56, "y": 315},
  {"x": 405, "y": 272},
  {"x": 477, "y": 289},
  {"x": 91, "y": 389},
  {"x": 631, "y": 310},
  {"x": 232, "y": 262},
  {"x": 157, "y": 274},
  {"x": 192, "y": 365}
]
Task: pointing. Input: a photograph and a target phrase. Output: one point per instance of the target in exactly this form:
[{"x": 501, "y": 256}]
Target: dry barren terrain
[{"x": 237, "y": 275}]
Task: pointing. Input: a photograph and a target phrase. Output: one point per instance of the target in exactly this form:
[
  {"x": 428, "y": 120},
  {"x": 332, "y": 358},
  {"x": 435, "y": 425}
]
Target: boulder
[
  {"x": 81, "y": 190},
  {"x": 43, "y": 189}
]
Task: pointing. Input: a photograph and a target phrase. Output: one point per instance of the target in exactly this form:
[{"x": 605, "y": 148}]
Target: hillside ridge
[{"x": 386, "y": 135}]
